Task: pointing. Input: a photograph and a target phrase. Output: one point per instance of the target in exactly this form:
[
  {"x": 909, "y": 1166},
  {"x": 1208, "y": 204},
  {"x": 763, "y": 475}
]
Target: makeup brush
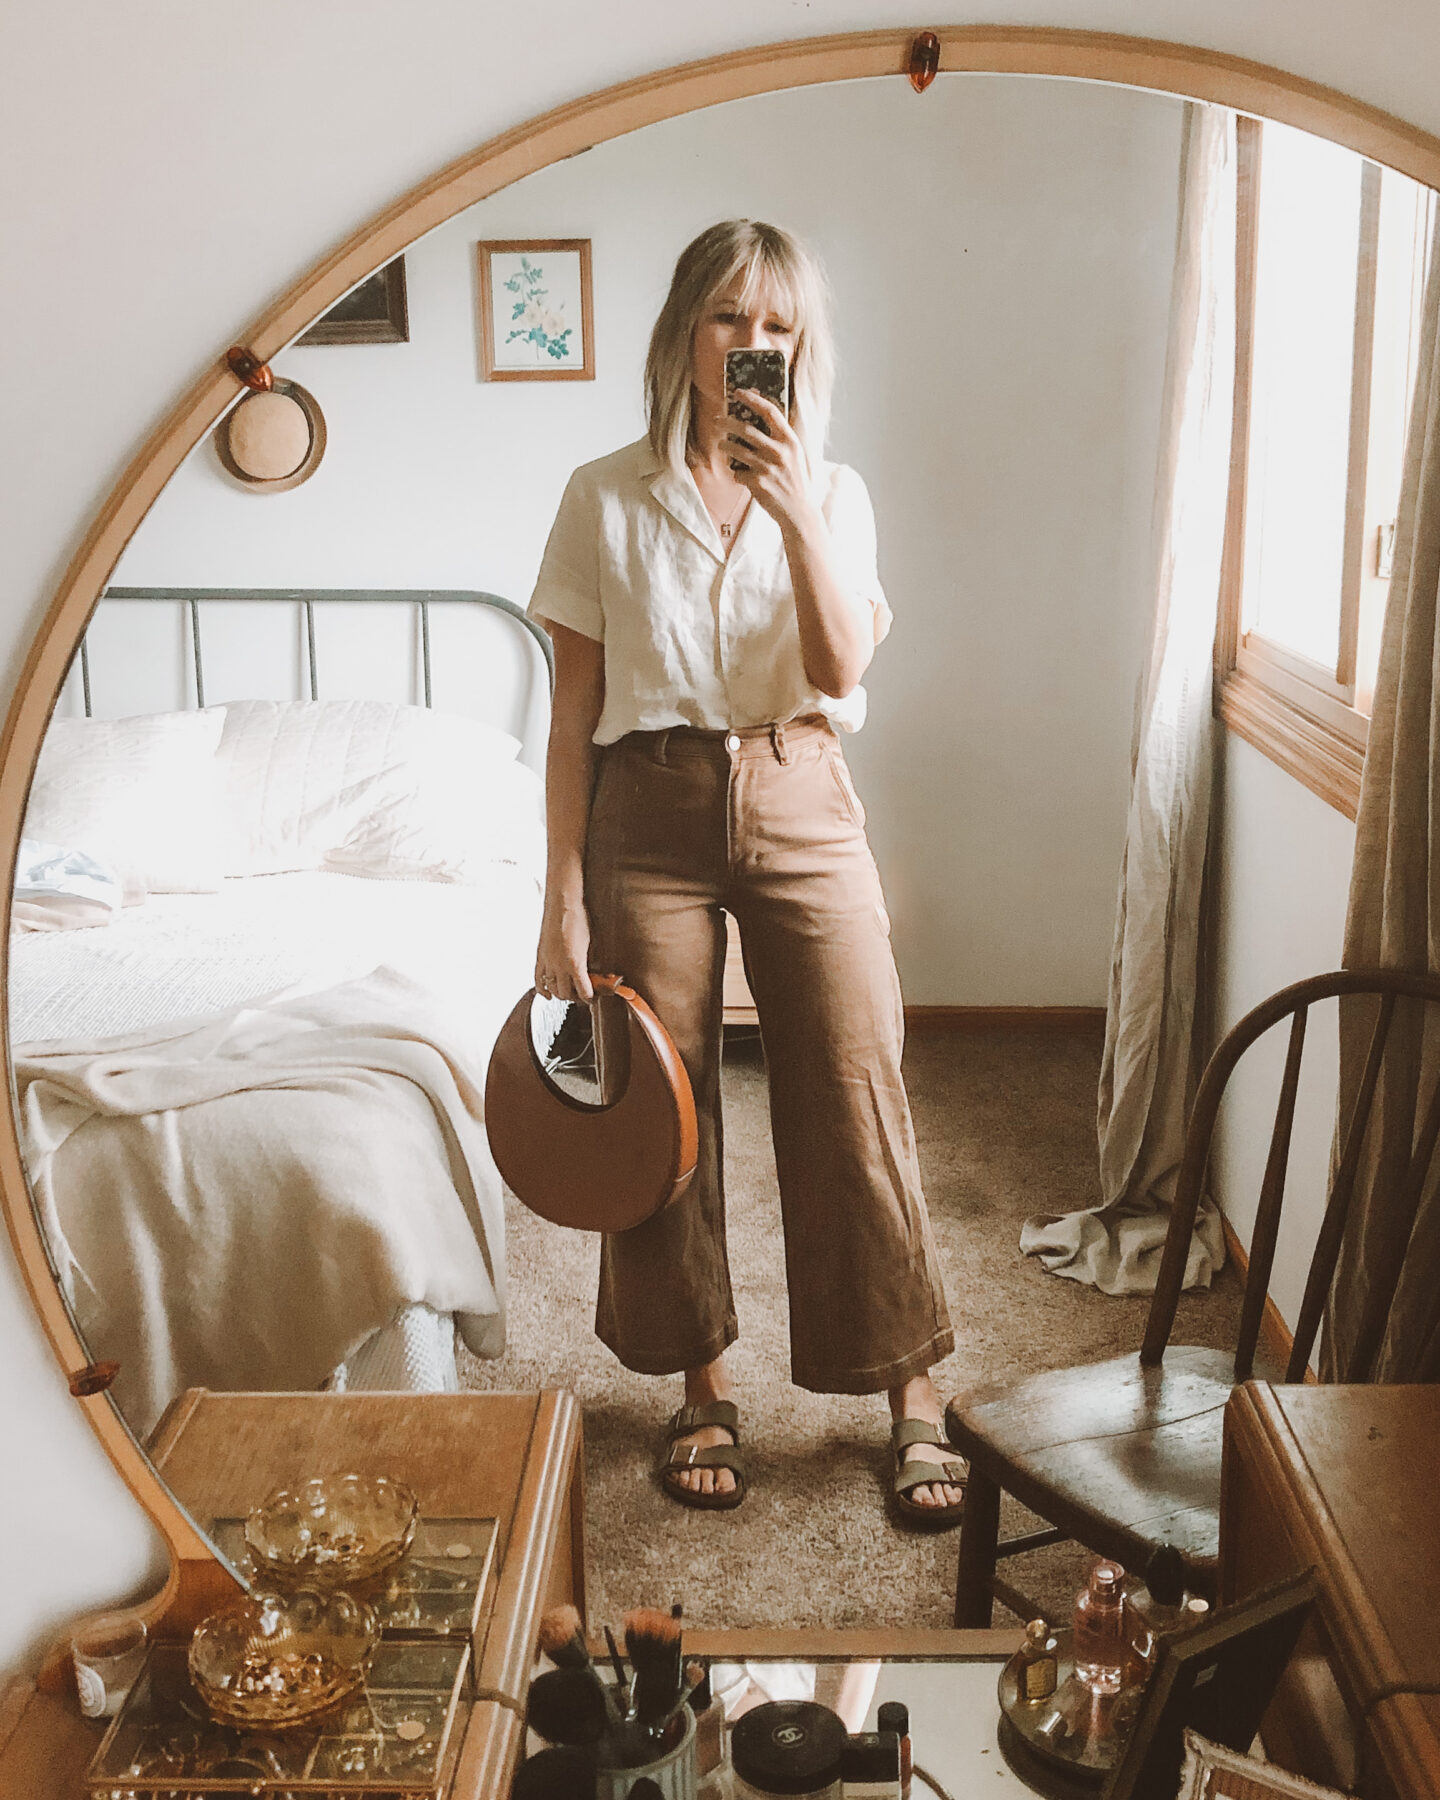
[
  {"x": 652, "y": 1642},
  {"x": 677, "y": 1612},
  {"x": 567, "y": 1706},
  {"x": 562, "y": 1638},
  {"x": 695, "y": 1673},
  {"x": 617, "y": 1661}
]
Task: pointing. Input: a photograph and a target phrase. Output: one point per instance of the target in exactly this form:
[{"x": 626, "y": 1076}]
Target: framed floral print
[{"x": 535, "y": 310}]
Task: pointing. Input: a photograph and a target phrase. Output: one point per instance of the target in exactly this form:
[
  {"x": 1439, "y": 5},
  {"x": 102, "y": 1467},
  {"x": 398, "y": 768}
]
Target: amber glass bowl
[
  {"x": 332, "y": 1531},
  {"x": 275, "y": 1660}
]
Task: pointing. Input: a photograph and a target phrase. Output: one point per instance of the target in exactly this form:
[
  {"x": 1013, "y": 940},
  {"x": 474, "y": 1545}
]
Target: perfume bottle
[
  {"x": 1099, "y": 1644},
  {"x": 1156, "y": 1608},
  {"x": 1153, "y": 1608},
  {"x": 1036, "y": 1664}
]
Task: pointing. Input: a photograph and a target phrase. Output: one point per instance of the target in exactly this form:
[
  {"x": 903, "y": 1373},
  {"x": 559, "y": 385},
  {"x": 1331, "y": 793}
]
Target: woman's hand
[
  {"x": 777, "y": 470},
  {"x": 562, "y": 963},
  {"x": 837, "y": 637}
]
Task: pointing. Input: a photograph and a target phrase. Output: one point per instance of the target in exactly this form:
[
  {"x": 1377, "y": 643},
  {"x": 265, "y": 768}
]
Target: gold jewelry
[{"x": 728, "y": 527}]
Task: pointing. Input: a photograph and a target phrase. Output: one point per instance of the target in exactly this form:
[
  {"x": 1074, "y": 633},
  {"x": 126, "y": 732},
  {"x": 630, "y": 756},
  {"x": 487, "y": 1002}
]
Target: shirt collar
[{"x": 676, "y": 491}]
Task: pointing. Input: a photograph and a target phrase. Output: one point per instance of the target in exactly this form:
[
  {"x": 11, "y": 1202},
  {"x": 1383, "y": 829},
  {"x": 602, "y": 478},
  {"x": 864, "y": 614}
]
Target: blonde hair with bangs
[{"x": 758, "y": 258}]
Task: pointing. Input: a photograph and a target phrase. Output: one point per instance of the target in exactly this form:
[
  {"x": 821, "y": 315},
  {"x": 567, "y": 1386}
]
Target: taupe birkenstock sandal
[
  {"x": 951, "y": 1471},
  {"x": 678, "y": 1456}
]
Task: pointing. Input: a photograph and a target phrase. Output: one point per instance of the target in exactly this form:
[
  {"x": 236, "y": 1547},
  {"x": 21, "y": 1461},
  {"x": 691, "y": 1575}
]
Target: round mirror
[{"x": 291, "y": 783}]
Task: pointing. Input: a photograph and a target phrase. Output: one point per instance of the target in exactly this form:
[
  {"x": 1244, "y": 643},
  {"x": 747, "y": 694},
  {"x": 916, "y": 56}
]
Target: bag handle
[{"x": 600, "y": 1168}]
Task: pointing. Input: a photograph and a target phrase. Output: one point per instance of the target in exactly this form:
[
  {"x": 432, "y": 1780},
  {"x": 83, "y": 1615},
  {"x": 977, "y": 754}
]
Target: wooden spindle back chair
[{"x": 1124, "y": 1455}]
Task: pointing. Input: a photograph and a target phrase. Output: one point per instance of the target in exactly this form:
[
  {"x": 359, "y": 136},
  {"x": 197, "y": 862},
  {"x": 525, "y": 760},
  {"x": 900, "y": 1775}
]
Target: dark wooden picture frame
[
  {"x": 1216, "y": 1679},
  {"x": 495, "y": 365},
  {"x": 375, "y": 312}
]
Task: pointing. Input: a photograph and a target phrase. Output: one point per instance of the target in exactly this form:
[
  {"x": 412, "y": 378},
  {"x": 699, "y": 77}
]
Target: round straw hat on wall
[{"x": 274, "y": 438}]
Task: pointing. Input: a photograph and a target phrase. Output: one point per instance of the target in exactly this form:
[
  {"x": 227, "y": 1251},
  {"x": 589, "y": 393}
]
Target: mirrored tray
[
  {"x": 1064, "y": 1746},
  {"x": 433, "y": 1591},
  {"x": 397, "y": 1740}
]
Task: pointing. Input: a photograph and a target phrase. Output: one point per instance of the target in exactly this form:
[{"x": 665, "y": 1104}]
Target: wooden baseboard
[
  {"x": 1085, "y": 1019},
  {"x": 1276, "y": 1337}
]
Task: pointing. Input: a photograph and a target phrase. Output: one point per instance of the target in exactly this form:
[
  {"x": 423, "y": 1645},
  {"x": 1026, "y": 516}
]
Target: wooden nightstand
[
  {"x": 512, "y": 1457},
  {"x": 1343, "y": 1479}
]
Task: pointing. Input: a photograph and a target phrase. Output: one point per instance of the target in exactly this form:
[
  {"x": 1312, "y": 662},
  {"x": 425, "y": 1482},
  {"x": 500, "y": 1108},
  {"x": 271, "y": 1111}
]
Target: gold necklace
[{"x": 726, "y": 527}]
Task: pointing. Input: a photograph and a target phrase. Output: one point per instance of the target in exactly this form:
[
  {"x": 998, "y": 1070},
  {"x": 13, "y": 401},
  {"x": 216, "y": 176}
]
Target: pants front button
[{"x": 733, "y": 741}]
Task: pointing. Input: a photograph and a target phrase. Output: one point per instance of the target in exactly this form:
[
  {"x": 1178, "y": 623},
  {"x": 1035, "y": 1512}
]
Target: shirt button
[{"x": 733, "y": 741}]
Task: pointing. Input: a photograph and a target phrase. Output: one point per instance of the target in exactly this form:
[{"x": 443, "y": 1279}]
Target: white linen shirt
[{"x": 635, "y": 561}]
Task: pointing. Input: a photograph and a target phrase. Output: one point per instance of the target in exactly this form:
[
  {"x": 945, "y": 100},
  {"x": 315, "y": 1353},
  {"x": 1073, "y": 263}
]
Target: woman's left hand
[{"x": 777, "y": 470}]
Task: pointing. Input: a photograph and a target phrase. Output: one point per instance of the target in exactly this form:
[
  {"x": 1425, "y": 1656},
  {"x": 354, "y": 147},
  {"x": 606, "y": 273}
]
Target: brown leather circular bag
[{"x": 594, "y": 1167}]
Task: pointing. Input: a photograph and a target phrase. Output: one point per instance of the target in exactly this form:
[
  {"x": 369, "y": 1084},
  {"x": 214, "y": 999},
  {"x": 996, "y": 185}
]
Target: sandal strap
[
  {"x": 717, "y": 1456},
  {"x": 724, "y": 1413},
  {"x": 923, "y": 1474},
  {"x": 905, "y": 1432}
]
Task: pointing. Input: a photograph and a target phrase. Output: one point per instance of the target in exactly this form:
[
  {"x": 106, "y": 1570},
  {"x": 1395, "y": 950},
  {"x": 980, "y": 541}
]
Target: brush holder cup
[{"x": 674, "y": 1773}]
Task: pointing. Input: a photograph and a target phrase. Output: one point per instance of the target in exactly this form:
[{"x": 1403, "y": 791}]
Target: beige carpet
[{"x": 1006, "y": 1126}]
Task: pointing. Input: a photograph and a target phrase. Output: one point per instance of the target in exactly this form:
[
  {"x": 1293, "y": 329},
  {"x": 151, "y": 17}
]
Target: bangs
[
  {"x": 752, "y": 264},
  {"x": 764, "y": 276}
]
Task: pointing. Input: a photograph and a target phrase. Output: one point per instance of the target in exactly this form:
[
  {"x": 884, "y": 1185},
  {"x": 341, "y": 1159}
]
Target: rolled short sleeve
[
  {"x": 567, "y": 589},
  {"x": 851, "y": 519}
]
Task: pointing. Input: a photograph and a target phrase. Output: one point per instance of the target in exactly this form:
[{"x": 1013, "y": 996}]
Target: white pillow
[
  {"x": 143, "y": 794},
  {"x": 303, "y": 776},
  {"x": 449, "y": 823}
]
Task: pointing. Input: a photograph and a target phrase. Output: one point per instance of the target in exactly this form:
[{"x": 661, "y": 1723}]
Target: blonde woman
[{"x": 711, "y": 627}]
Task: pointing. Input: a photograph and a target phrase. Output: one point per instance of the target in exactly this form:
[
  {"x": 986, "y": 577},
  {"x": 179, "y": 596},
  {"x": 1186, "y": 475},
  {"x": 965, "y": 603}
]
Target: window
[{"x": 1330, "y": 270}]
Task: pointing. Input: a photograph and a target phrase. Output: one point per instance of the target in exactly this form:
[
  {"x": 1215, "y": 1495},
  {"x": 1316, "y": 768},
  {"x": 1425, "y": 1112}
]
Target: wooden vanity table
[
  {"x": 512, "y": 1457},
  {"x": 1345, "y": 1480}
]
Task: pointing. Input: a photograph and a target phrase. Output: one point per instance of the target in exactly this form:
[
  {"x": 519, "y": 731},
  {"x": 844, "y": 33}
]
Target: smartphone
[{"x": 768, "y": 373}]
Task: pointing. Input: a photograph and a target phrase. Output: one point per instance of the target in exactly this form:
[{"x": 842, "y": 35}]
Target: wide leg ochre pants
[{"x": 764, "y": 823}]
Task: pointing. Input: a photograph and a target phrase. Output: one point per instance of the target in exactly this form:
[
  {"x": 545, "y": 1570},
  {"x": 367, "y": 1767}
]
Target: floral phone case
[{"x": 768, "y": 373}]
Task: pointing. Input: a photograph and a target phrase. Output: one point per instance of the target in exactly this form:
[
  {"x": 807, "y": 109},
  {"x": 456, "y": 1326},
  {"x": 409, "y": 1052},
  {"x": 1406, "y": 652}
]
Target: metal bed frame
[{"x": 308, "y": 599}]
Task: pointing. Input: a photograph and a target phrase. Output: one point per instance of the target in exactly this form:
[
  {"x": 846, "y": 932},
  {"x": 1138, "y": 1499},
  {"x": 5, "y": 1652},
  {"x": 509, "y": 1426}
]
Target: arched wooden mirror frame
[{"x": 1093, "y": 56}]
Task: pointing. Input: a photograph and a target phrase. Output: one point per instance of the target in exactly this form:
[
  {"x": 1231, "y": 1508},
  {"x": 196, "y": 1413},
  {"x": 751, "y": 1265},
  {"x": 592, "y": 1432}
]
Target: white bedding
[
  {"x": 199, "y": 956},
  {"x": 183, "y": 956},
  {"x": 244, "y": 1202}
]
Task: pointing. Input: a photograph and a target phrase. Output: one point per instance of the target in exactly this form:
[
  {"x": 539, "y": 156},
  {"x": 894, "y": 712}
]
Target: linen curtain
[
  {"x": 1147, "y": 1077},
  {"x": 1394, "y": 920}
]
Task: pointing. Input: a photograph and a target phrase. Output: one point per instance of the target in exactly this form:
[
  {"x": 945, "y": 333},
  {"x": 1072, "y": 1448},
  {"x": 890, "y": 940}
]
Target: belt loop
[
  {"x": 777, "y": 743},
  {"x": 662, "y": 744}
]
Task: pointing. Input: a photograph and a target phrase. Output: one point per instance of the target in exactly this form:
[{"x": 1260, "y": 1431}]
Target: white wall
[
  {"x": 167, "y": 168},
  {"x": 1001, "y": 258},
  {"x": 1284, "y": 872}
]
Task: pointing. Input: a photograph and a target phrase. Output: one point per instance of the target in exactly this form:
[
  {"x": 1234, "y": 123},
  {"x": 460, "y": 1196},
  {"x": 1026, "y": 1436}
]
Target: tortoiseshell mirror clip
[{"x": 924, "y": 64}]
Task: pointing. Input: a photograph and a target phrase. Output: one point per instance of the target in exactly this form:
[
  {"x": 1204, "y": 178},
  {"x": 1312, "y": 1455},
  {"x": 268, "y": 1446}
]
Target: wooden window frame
[{"x": 1300, "y": 714}]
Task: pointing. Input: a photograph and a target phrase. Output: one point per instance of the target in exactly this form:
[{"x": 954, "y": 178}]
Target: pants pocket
[{"x": 840, "y": 771}]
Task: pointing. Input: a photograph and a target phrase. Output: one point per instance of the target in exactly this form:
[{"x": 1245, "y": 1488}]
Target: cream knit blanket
[{"x": 239, "y": 1202}]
